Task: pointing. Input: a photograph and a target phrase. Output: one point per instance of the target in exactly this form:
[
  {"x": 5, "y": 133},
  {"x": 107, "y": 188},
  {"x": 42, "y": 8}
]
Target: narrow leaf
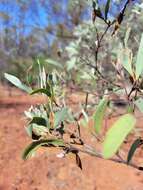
[
  {"x": 127, "y": 35},
  {"x": 54, "y": 63},
  {"x": 36, "y": 144},
  {"x": 107, "y": 9},
  {"x": 39, "y": 121},
  {"x": 41, "y": 90},
  {"x": 99, "y": 115},
  {"x": 136, "y": 144},
  {"x": 139, "y": 62},
  {"x": 71, "y": 63},
  {"x": 60, "y": 116},
  {"x": 29, "y": 130},
  {"x": 16, "y": 82},
  {"x": 126, "y": 57},
  {"x": 117, "y": 134},
  {"x": 78, "y": 161},
  {"x": 139, "y": 104}
]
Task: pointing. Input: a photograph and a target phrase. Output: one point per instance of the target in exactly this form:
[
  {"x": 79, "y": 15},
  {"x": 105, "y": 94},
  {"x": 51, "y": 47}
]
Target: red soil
[{"x": 46, "y": 171}]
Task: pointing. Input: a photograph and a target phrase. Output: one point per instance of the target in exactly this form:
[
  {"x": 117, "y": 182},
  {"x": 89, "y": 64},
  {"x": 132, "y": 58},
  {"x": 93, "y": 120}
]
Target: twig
[
  {"x": 92, "y": 152},
  {"x": 97, "y": 47},
  {"x": 86, "y": 101}
]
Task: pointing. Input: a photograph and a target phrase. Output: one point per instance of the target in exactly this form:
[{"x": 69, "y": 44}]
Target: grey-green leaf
[
  {"x": 127, "y": 35},
  {"x": 126, "y": 60},
  {"x": 99, "y": 115},
  {"x": 39, "y": 130},
  {"x": 54, "y": 63},
  {"x": 139, "y": 62},
  {"x": 71, "y": 63},
  {"x": 60, "y": 116},
  {"x": 36, "y": 144},
  {"x": 29, "y": 130},
  {"x": 136, "y": 144},
  {"x": 16, "y": 82},
  {"x": 117, "y": 134},
  {"x": 139, "y": 104}
]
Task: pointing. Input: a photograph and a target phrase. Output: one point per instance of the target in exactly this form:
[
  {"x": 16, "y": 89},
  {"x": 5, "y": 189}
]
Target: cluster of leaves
[
  {"x": 47, "y": 123},
  {"x": 80, "y": 53}
]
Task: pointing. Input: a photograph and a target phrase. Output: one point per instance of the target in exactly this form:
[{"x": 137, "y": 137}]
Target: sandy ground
[{"x": 46, "y": 171}]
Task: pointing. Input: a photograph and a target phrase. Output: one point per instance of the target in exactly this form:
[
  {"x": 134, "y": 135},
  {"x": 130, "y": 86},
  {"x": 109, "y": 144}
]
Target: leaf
[
  {"x": 40, "y": 130},
  {"x": 60, "y": 116},
  {"x": 107, "y": 8},
  {"x": 139, "y": 62},
  {"x": 16, "y": 82},
  {"x": 126, "y": 57},
  {"x": 117, "y": 134},
  {"x": 54, "y": 63},
  {"x": 41, "y": 90},
  {"x": 78, "y": 161},
  {"x": 72, "y": 50},
  {"x": 39, "y": 121},
  {"x": 70, "y": 117},
  {"x": 71, "y": 63},
  {"x": 29, "y": 130},
  {"x": 130, "y": 109},
  {"x": 99, "y": 114},
  {"x": 96, "y": 9},
  {"x": 136, "y": 144},
  {"x": 139, "y": 104},
  {"x": 36, "y": 144},
  {"x": 127, "y": 37}
]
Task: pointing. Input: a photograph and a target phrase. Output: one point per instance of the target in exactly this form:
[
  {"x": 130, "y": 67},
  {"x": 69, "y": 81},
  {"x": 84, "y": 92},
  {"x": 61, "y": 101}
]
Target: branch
[
  {"x": 97, "y": 47},
  {"x": 92, "y": 152}
]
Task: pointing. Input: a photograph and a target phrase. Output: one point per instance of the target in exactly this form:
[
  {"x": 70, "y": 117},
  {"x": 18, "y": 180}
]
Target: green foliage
[
  {"x": 117, "y": 134},
  {"x": 126, "y": 59},
  {"x": 139, "y": 62},
  {"x": 15, "y": 81},
  {"x": 39, "y": 121},
  {"x": 136, "y": 144},
  {"x": 30, "y": 149},
  {"x": 29, "y": 130},
  {"x": 60, "y": 116},
  {"x": 101, "y": 63},
  {"x": 41, "y": 90},
  {"x": 53, "y": 63},
  {"x": 139, "y": 104},
  {"x": 99, "y": 115}
]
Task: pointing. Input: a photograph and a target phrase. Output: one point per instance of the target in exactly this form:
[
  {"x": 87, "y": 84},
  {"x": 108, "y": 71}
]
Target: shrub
[{"x": 48, "y": 123}]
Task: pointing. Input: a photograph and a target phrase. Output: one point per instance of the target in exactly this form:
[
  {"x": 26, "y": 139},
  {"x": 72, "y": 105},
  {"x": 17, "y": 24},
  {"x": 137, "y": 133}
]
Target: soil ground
[{"x": 46, "y": 171}]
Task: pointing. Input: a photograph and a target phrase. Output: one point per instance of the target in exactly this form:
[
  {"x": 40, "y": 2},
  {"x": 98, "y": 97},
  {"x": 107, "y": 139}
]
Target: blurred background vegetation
[
  {"x": 61, "y": 34},
  {"x": 36, "y": 28}
]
